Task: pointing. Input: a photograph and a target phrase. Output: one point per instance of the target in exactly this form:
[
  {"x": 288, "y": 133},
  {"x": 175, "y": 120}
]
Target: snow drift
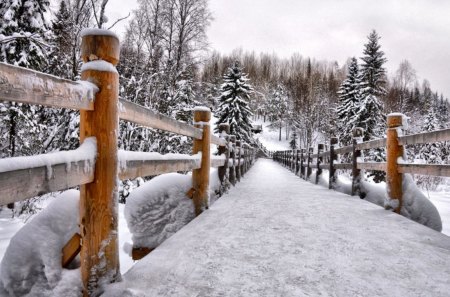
[
  {"x": 31, "y": 265},
  {"x": 160, "y": 207}
]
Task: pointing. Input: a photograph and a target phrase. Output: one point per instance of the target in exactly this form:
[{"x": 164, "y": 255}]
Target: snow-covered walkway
[{"x": 276, "y": 235}]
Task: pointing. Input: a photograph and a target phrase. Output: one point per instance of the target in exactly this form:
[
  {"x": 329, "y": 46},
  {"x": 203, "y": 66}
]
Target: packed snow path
[{"x": 277, "y": 235}]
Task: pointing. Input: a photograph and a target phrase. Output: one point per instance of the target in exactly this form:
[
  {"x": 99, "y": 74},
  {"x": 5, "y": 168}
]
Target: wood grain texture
[
  {"x": 377, "y": 166},
  {"x": 394, "y": 151},
  {"x": 200, "y": 177},
  {"x": 71, "y": 250},
  {"x": 27, "y": 86},
  {"x": 427, "y": 137},
  {"x": 343, "y": 150},
  {"x": 23, "y": 184},
  {"x": 371, "y": 144},
  {"x": 140, "y": 115},
  {"x": 425, "y": 169},
  {"x": 137, "y": 168}
]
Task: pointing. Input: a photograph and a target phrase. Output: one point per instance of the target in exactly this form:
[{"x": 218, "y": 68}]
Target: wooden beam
[
  {"x": 140, "y": 115},
  {"x": 427, "y": 137},
  {"x": 136, "y": 168},
  {"x": 218, "y": 141},
  {"x": 71, "y": 250},
  {"x": 19, "y": 185},
  {"x": 377, "y": 166},
  {"x": 139, "y": 253},
  {"x": 23, "y": 85},
  {"x": 371, "y": 144},
  {"x": 394, "y": 152},
  {"x": 425, "y": 169},
  {"x": 218, "y": 161},
  {"x": 343, "y": 150},
  {"x": 343, "y": 166}
]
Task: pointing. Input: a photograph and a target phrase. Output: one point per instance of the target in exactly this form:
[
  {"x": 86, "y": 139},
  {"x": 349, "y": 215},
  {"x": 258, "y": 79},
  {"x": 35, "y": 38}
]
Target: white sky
[{"x": 416, "y": 30}]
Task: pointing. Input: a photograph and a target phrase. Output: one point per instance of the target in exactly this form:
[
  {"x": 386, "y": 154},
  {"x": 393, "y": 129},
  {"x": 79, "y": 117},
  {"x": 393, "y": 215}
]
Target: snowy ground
[
  {"x": 308, "y": 241},
  {"x": 270, "y": 137}
]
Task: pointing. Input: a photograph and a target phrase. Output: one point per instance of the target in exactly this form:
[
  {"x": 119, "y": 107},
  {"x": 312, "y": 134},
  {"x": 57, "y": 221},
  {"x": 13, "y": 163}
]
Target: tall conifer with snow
[
  {"x": 233, "y": 103},
  {"x": 23, "y": 32},
  {"x": 349, "y": 100},
  {"x": 373, "y": 79}
]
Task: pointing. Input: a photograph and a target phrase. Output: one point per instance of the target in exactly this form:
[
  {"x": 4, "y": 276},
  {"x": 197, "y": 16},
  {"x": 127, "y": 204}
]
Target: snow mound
[
  {"x": 31, "y": 265},
  {"x": 417, "y": 207},
  {"x": 161, "y": 207}
]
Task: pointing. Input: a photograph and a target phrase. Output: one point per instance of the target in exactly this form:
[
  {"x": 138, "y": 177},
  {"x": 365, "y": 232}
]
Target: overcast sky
[{"x": 416, "y": 30}]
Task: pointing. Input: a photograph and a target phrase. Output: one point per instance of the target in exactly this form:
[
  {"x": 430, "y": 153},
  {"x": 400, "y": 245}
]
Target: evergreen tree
[
  {"x": 349, "y": 97},
  {"x": 24, "y": 31},
  {"x": 277, "y": 108},
  {"x": 233, "y": 103}
]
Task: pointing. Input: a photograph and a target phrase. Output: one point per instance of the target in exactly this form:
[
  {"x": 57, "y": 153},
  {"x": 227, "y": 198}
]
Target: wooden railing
[
  {"x": 98, "y": 164},
  {"x": 303, "y": 161}
]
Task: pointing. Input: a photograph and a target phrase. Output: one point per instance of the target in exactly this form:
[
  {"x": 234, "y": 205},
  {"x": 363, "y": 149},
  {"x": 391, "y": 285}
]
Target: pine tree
[
  {"x": 233, "y": 103},
  {"x": 24, "y": 32},
  {"x": 370, "y": 112},
  {"x": 349, "y": 97}
]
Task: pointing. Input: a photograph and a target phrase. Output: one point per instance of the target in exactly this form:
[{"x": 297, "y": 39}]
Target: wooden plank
[
  {"x": 71, "y": 250},
  {"x": 324, "y": 166},
  {"x": 218, "y": 161},
  {"x": 218, "y": 141},
  {"x": 139, "y": 253},
  {"x": 314, "y": 156},
  {"x": 343, "y": 150},
  {"x": 371, "y": 144},
  {"x": 425, "y": 169},
  {"x": 137, "y": 168},
  {"x": 19, "y": 185},
  {"x": 23, "y": 85},
  {"x": 377, "y": 166},
  {"x": 343, "y": 166},
  {"x": 325, "y": 154},
  {"x": 140, "y": 115},
  {"x": 427, "y": 137}
]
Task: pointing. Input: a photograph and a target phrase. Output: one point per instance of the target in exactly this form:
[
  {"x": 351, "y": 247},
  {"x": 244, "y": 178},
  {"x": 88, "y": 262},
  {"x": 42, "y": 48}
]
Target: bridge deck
[{"x": 276, "y": 235}]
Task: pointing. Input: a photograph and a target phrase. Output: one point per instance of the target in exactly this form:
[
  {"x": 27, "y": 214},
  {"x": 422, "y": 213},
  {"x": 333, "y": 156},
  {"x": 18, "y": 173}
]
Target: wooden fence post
[
  {"x": 238, "y": 155},
  {"x": 320, "y": 148},
  {"x": 232, "y": 171},
  {"x": 356, "y": 187},
  {"x": 200, "y": 177},
  {"x": 308, "y": 168},
  {"x": 243, "y": 164},
  {"x": 297, "y": 161},
  {"x": 302, "y": 167},
  {"x": 98, "y": 200},
  {"x": 333, "y": 158},
  {"x": 224, "y": 130},
  {"x": 394, "y": 151}
]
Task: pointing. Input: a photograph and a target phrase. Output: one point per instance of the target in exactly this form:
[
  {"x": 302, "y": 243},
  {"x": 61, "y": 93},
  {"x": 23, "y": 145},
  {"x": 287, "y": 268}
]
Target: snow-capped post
[
  {"x": 232, "y": 170},
  {"x": 333, "y": 157},
  {"x": 356, "y": 173},
  {"x": 200, "y": 176},
  {"x": 308, "y": 166},
  {"x": 302, "y": 167},
  {"x": 320, "y": 148},
  {"x": 238, "y": 155},
  {"x": 394, "y": 151},
  {"x": 98, "y": 200},
  {"x": 224, "y": 130}
]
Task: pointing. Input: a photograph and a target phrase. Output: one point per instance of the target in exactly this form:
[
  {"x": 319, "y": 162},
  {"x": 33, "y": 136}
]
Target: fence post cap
[
  {"x": 394, "y": 120},
  {"x": 98, "y": 44},
  {"x": 202, "y": 115},
  {"x": 333, "y": 140},
  {"x": 358, "y": 132}
]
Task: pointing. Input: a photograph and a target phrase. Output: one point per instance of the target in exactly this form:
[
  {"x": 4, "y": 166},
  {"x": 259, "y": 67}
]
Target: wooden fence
[
  {"x": 96, "y": 96},
  {"x": 302, "y": 161}
]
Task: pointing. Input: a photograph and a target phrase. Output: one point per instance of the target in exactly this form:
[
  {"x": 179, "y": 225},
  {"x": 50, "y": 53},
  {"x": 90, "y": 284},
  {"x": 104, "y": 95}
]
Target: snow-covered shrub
[
  {"x": 31, "y": 265},
  {"x": 161, "y": 207}
]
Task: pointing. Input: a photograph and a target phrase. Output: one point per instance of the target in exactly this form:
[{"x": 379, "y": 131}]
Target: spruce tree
[
  {"x": 233, "y": 103},
  {"x": 373, "y": 78},
  {"x": 349, "y": 97},
  {"x": 24, "y": 31}
]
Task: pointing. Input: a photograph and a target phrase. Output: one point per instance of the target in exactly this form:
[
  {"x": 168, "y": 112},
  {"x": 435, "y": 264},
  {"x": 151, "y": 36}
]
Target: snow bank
[
  {"x": 160, "y": 207},
  {"x": 32, "y": 262}
]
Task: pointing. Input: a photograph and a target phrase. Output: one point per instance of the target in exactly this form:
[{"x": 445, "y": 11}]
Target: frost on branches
[{"x": 233, "y": 104}]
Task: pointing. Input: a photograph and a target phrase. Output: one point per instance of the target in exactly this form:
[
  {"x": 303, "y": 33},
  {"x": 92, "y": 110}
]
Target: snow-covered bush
[
  {"x": 31, "y": 265},
  {"x": 161, "y": 207}
]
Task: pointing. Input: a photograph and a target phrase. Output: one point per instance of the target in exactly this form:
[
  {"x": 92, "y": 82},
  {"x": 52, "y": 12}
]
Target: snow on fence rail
[
  {"x": 98, "y": 164},
  {"x": 303, "y": 161}
]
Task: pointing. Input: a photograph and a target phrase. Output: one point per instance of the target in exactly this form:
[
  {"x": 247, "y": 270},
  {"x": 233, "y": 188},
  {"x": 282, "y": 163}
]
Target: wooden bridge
[{"x": 266, "y": 238}]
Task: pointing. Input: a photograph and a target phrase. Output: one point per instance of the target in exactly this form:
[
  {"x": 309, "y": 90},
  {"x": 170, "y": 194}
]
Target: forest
[{"x": 168, "y": 65}]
